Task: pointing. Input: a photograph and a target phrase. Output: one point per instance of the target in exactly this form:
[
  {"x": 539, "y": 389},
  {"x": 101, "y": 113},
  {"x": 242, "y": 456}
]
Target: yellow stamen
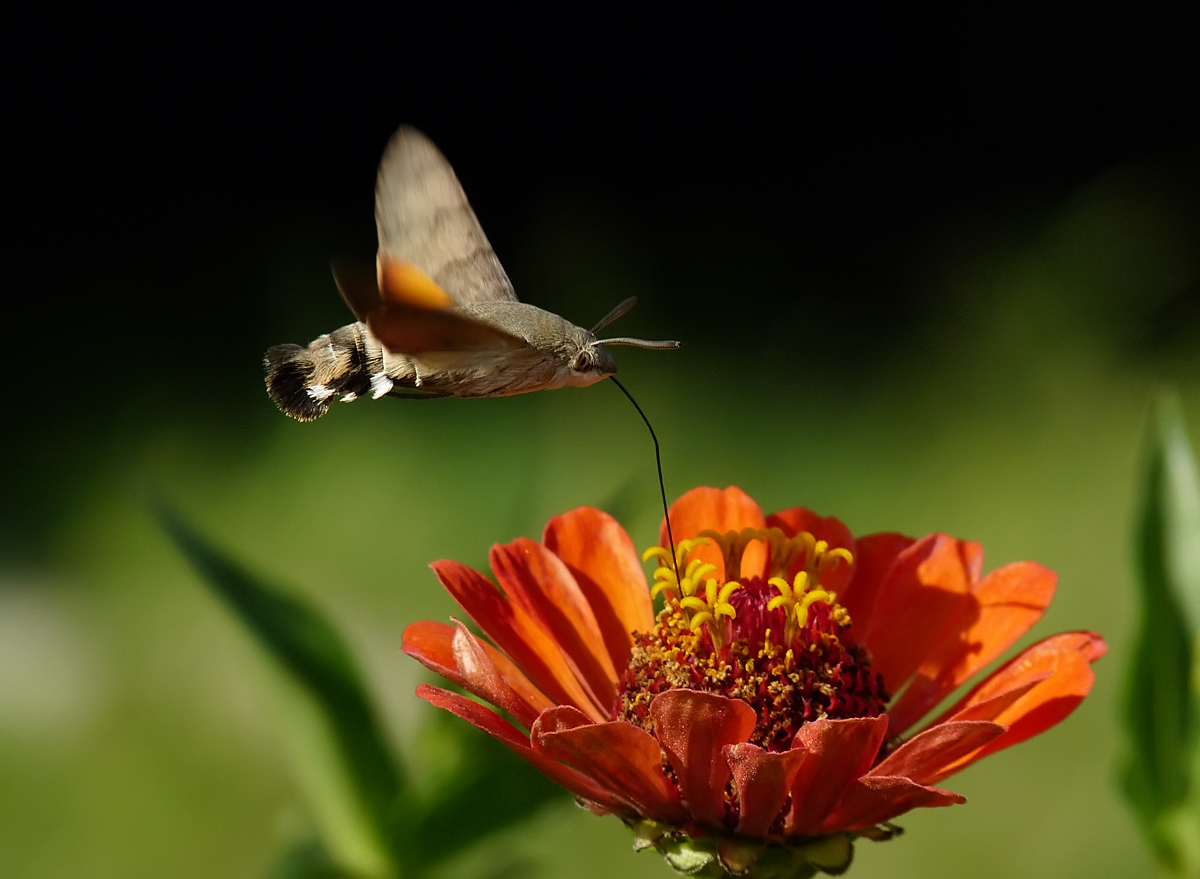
[
  {"x": 699, "y": 598},
  {"x": 665, "y": 577},
  {"x": 699, "y": 620},
  {"x": 807, "y": 601},
  {"x": 797, "y": 598},
  {"x": 733, "y": 545}
]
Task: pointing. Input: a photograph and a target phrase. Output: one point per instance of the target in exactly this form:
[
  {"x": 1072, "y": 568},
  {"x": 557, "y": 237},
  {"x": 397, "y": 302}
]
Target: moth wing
[
  {"x": 423, "y": 218},
  {"x": 405, "y": 329},
  {"x": 359, "y": 289}
]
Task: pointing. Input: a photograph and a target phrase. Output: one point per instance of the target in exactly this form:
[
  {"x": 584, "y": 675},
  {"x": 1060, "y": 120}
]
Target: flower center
[{"x": 781, "y": 645}]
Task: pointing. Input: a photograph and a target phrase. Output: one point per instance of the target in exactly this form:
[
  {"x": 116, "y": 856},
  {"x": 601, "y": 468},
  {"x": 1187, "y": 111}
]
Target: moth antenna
[
  {"x": 618, "y": 312},
  {"x": 662, "y": 491},
  {"x": 639, "y": 343}
]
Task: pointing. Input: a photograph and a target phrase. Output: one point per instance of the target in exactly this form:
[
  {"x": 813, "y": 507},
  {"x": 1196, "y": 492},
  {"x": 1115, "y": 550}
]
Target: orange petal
[
  {"x": 488, "y": 682},
  {"x": 487, "y": 673},
  {"x": 605, "y": 564},
  {"x": 921, "y": 597},
  {"x": 763, "y": 781},
  {"x": 999, "y": 610},
  {"x": 991, "y": 708},
  {"x": 873, "y": 558},
  {"x": 693, "y": 727},
  {"x": 617, "y": 756},
  {"x": 796, "y": 519},
  {"x": 518, "y": 634},
  {"x": 875, "y": 799},
  {"x": 1067, "y": 657},
  {"x": 536, "y": 580},
  {"x": 719, "y": 510},
  {"x": 494, "y": 725},
  {"x": 429, "y": 644},
  {"x": 839, "y": 752},
  {"x": 925, "y": 756}
]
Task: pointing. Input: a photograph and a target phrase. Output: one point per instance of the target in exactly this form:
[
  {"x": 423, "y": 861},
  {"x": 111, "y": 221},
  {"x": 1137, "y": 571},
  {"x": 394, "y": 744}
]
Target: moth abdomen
[{"x": 304, "y": 381}]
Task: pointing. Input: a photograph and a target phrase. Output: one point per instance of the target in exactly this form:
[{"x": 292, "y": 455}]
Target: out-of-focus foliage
[
  {"x": 372, "y": 822},
  {"x": 1162, "y": 711}
]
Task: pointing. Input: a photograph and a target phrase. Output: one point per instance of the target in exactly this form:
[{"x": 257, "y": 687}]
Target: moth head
[{"x": 592, "y": 364}]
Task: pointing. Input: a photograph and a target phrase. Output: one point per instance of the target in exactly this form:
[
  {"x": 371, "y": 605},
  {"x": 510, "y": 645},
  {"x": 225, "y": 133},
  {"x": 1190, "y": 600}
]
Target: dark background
[{"x": 777, "y": 173}]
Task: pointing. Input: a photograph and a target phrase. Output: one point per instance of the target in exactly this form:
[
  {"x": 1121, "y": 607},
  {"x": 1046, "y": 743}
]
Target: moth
[{"x": 440, "y": 317}]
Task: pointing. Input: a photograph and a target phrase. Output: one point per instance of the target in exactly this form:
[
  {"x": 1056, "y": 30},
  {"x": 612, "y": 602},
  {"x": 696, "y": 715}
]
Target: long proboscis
[
  {"x": 619, "y": 312},
  {"x": 665, "y": 344},
  {"x": 662, "y": 491}
]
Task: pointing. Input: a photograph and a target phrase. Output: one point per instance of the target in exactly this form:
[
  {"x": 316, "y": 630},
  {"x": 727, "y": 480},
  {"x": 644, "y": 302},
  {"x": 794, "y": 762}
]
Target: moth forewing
[{"x": 423, "y": 216}]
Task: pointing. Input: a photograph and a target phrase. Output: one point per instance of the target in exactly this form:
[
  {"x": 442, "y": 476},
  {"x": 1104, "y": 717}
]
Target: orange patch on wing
[{"x": 402, "y": 283}]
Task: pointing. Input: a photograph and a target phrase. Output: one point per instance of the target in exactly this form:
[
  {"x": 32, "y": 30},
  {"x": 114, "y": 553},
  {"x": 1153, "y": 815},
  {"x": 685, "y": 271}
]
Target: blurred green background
[{"x": 908, "y": 308}]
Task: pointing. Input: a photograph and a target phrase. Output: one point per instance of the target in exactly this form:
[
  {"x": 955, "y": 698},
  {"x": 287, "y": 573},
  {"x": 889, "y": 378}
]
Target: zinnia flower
[{"x": 761, "y": 721}]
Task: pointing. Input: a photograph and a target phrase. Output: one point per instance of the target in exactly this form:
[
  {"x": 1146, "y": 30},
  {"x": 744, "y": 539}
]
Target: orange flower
[{"x": 761, "y": 721}]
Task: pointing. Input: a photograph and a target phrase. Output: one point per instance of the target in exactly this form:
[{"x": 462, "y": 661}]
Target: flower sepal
[
  {"x": 725, "y": 857},
  {"x": 647, "y": 832}
]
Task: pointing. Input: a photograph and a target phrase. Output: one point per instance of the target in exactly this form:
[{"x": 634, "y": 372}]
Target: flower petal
[
  {"x": 536, "y": 580},
  {"x": 839, "y": 752},
  {"x": 617, "y": 756},
  {"x": 605, "y": 564},
  {"x": 479, "y": 668},
  {"x": 796, "y": 519},
  {"x": 720, "y": 510},
  {"x": 921, "y": 597},
  {"x": 487, "y": 679},
  {"x": 693, "y": 727},
  {"x": 428, "y": 642},
  {"x": 1067, "y": 657},
  {"x": 873, "y": 558},
  {"x": 518, "y": 634},
  {"x": 992, "y": 707},
  {"x": 875, "y": 799},
  {"x": 763, "y": 780},
  {"x": 496, "y": 726},
  {"x": 999, "y": 610},
  {"x": 924, "y": 757}
]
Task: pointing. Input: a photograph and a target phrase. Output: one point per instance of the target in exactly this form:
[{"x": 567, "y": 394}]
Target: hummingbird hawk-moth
[{"x": 439, "y": 318}]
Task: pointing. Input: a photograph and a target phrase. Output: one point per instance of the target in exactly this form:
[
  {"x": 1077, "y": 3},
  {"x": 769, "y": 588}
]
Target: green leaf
[
  {"x": 481, "y": 788},
  {"x": 308, "y": 860},
  {"x": 337, "y": 751},
  {"x": 1162, "y": 710}
]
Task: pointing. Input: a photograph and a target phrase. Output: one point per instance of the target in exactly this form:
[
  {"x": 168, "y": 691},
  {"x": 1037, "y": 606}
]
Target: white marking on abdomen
[
  {"x": 380, "y": 385},
  {"x": 319, "y": 393}
]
